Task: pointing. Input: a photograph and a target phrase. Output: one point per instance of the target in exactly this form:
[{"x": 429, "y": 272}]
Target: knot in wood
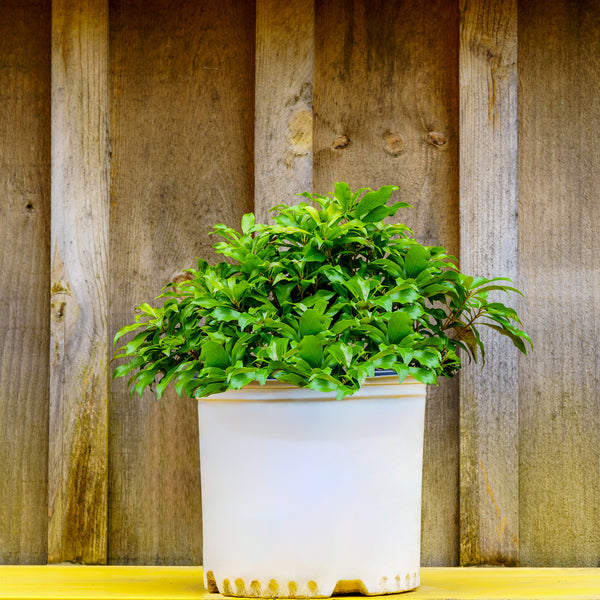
[
  {"x": 437, "y": 139},
  {"x": 180, "y": 278},
  {"x": 394, "y": 143},
  {"x": 57, "y": 310},
  {"x": 59, "y": 296},
  {"x": 341, "y": 141},
  {"x": 301, "y": 132}
]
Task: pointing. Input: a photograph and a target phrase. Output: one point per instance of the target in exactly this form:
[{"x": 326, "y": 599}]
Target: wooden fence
[{"x": 128, "y": 128}]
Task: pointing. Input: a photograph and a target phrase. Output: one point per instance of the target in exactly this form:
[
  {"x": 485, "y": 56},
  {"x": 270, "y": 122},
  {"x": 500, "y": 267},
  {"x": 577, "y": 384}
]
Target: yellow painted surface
[
  {"x": 507, "y": 584},
  {"x": 116, "y": 583}
]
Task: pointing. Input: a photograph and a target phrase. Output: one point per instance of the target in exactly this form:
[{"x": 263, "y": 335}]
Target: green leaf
[
  {"x": 469, "y": 339},
  {"x": 262, "y": 375},
  {"x": 341, "y": 352},
  {"x": 143, "y": 379},
  {"x": 223, "y": 313},
  {"x": 321, "y": 295},
  {"x": 205, "y": 302},
  {"x": 183, "y": 377},
  {"x": 125, "y": 330},
  {"x": 372, "y": 200},
  {"x": 384, "y": 359},
  {"x": 149, "y": 310},
  {"x": 320, "y": 384},
  {"x": 435, "y": 289},
  {"x": 406, "y": 354},
  {"x": 384, "y": 302},
  {"x": 479, "y": 281},
  {"x": 137, "y": 341},
  {"x": 500, "y": 288},
  {"x": 416, "y": 260},
  {"x": 246, "y": 319},
  {"x": 310, "y": 323},
  {"x": 403, "y": 293},
  {"x": 214, "y": 355},
  {"x": 343, "y": 195},
  {"x": 381, "y": 212},
  {"x": 399, "y": 326},
  {"x": 290, "y": 378},
  {"x": 163, "y": 383},
  {"x": 122, "y": 370},
  {"x": 333, "y": 273},
  {"x": 238, "y": 377},
  {"x": 515, "y": 336},
  {"x": 358, "y": 286},
  {"x": 343, "y": 391},
  {"x": 283, "y": 291},
  {"x": 389, "y": 266},
  {"x": 373, "y": 333},
  {"x": 310, "y": 349},
  {"x": 427, "y": 359},
  {"x": 247, "y": 223},
  {"x": 283, "y": 328},
  {"x": 401, "y": 369},
  {"x": 313, "y": 213},
  {"x": 423, "y": 375},
  {"x": 277, "y": 348},
  {"x": 240, "y": 347},
  {"x": 501, "y": 309},
  {"x": 344, "y": 325},
  {"x": 203, "y": 391}
]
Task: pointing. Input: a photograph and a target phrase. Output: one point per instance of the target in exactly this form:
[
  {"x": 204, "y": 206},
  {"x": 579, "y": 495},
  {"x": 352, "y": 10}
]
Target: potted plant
[{"x": 309, "y": 350}]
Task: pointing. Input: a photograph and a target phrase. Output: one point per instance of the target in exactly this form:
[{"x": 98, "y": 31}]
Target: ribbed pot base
[{"x": 311, "y": 589}]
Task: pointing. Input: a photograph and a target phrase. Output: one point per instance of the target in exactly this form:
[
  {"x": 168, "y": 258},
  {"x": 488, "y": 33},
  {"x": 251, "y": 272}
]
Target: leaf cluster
[{"x": 322, "y": 298}]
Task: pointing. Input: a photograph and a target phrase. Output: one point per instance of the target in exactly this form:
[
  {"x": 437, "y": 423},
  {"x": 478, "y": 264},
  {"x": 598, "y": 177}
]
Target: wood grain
[
  {"x": 182, "y": 84},
  {"x": 559, "y": 249},
  {"x": 489, "y": 474},
  {"x": 25, "y": 276},
  {"x": 78, "y": 459},
  {"x": 283, "y": 112},
  {"x": 386, "y": 112}
]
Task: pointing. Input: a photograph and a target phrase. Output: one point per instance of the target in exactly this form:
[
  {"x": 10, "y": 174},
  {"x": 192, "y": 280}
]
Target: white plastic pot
[{"x": 305, "y": 496}]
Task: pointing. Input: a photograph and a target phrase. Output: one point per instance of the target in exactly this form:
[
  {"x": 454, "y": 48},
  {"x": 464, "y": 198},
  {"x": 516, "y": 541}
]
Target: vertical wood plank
[
  {"x": 489, "y": 465},
  {"x": 182, "y": 89},
  {"x": 386, "y": 112},
  {"x": 559, "y": 249},
  {"x": 283, "y": 114},
  {"x": 78, "y": 460},
  {"x": 25, "y": 276}
]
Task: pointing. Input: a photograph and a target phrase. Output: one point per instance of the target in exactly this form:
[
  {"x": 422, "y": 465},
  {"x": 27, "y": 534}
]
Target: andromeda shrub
[{"x": 321, "y": 299}]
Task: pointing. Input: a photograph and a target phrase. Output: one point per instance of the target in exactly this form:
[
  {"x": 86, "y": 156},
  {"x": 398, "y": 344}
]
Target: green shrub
[{"x": 321, "y": 299}]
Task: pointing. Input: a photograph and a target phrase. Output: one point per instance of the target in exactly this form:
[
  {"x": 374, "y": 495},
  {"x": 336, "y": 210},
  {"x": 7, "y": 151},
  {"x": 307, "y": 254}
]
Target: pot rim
[{"x": 382, "y": 385}]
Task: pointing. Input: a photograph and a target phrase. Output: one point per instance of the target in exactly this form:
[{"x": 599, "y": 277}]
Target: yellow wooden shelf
[{"x": 71, "y": 582}]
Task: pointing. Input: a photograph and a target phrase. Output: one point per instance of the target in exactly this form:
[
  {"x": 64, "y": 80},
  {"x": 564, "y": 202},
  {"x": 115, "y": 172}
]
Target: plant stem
[
  {"x": 454, "y": 316},
  {"x": 468, "y": 325}
]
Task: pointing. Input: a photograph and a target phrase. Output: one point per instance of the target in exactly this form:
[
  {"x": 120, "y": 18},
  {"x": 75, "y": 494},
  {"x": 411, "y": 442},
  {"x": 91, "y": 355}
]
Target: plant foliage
[{"x": 321, "y": 299}]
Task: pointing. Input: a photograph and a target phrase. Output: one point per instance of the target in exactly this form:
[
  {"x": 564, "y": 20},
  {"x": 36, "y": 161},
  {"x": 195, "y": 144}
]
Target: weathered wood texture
[
  {"x": 283, "y": 111},
  {"x": 182, "y": 87},
  {"x": 78, "y": 459},
  {"x": 386, "y": 111},
  {"x": 559, "y": 261},
  {"x": 190, "y": 140},
  {"x": 24, "y": 273},
  {"x": 489, "y": 425}
]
